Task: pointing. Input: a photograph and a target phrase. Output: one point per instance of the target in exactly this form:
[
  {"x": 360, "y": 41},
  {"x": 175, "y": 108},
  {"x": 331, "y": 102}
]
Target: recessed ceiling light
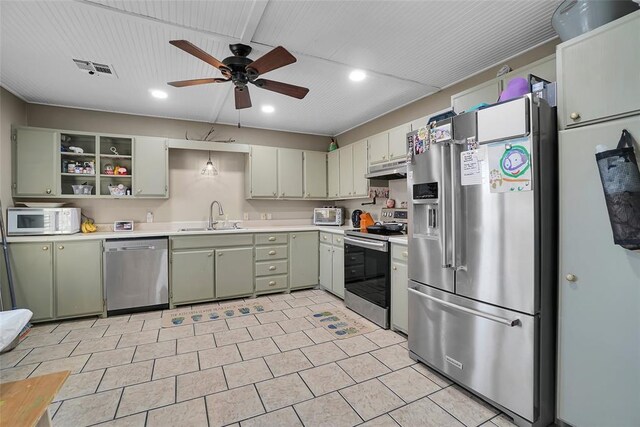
[
  {"x": 268, "y": 109},
  {"x": 357, "y": 75},
  {"x": 160, "y": 94}
]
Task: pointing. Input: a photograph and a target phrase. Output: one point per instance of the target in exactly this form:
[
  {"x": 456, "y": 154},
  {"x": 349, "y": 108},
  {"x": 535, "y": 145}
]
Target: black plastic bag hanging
[{"x": 620, "y": 178}]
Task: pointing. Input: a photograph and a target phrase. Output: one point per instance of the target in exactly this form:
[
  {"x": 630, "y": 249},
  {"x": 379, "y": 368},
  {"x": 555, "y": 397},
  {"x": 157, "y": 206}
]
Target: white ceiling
[{"x": 409, "y": 49}]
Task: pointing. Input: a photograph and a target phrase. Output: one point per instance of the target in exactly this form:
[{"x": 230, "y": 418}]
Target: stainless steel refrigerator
[{"x": 482, "y": 254}]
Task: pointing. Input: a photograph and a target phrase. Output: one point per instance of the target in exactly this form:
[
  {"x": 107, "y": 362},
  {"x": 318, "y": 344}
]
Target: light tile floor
[{"x": 272, "y": 369}]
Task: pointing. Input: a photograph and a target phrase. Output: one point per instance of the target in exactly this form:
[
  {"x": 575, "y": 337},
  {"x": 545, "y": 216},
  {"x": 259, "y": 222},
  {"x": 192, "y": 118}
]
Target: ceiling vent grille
[{"x": 95, "y": 69}]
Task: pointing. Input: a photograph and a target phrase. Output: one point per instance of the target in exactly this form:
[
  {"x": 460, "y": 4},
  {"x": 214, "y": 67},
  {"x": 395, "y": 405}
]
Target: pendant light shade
[{"x": 209, "y": 169}]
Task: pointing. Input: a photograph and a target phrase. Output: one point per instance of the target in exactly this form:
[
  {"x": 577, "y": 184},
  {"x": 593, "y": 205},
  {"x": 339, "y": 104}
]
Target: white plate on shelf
[{"x": 42, "y": 204}]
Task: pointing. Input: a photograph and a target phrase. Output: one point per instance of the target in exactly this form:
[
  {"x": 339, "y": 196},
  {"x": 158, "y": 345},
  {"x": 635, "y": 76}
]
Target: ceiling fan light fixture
[
  {"x": 357, "y": 75},
  {"x": 209, "y": 169},
  {"x": 268, "y": 109},
  {"x": 159, "y": 94}
]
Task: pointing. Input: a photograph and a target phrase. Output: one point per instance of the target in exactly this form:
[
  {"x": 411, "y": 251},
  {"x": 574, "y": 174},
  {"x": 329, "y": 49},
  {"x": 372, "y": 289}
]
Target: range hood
[{"x": 390, "y": 170}]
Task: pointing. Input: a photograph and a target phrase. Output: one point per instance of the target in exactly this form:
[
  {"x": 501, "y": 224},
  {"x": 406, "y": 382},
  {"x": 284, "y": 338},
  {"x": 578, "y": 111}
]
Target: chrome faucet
[{"x": 220, "y": 212}]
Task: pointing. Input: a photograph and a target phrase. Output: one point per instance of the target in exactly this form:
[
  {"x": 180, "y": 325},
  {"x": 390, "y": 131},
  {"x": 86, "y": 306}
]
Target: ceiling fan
[{"x": 241, "y": 71}]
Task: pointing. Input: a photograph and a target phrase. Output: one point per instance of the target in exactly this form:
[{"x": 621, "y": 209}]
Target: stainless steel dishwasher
[{"x": 136, "y": 274}]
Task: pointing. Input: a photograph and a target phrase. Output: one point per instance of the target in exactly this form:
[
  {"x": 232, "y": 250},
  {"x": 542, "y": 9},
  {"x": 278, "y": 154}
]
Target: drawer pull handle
[
  {"x": 293, "y": 236},
  {"x": 272, "y": 267},
  {"x": 272, "y": 283},
  {"x": 272, "y": 252},
  {"x": 61, "y": 247},
  {"x": 210, "y": 254},
  {"x": 574, "y": 116},
  {"x": 571, "y": 278},
  {"x": 45, "y": 248},
  {"x": 405, "y": 254},
  {"x": 272, "y": 239},
  {"x": 48, "y": 191},
  {"x": 220, "y": 253},
  {"x": 324, "y": 237},
  {"x": 395, "y": 268}
]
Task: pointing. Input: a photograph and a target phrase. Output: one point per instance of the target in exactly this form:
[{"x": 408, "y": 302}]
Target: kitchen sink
[
  {"x": 196, "y": 229},
  {"x": 228, "y": 227}
]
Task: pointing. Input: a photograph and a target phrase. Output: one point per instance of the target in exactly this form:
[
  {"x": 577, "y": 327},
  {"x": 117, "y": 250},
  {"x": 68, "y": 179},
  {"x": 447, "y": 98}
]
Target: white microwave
[
  {"x": 328, "y": 216},
  {"x": 31, "y": 221}
]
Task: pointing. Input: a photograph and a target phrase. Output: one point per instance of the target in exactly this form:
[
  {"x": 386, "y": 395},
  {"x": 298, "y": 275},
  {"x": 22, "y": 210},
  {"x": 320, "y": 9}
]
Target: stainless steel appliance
[
  {"x": 391, "y": 170},
  {"x": 482, "y": 254},
  {"x": 328, "y": 216},
  {"x": 136, "y": 274},
  {"x": 45, "y": 221},
  {"x": 367, "y": 276}
]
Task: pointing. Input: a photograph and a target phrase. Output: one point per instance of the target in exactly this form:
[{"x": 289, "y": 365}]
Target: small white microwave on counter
[
  {"x": 328, "y": 216},
  {"x": 44, "y": 221}
]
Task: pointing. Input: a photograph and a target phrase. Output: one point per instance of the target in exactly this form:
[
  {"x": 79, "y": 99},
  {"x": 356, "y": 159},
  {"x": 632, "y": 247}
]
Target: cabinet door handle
[
  {"x": 272, "y": 267},
  {"x": 272, "y": 238},
  {"x": 575, "y": 115},
  {"x": 339, "y": 240},
  {"x": 139, "y": 191},
  {"x": 210, "y": 254},
  {"x": 61, "y": 247},
  {"x": 405, "y": 254},
  {"x": 395, "y": 268},
  {"x": 571, "y": 278},
  {"x": 272, "y": 252},
  {"x": 45, "y": 248},
  {"x": 272, "y": 283},
  {"x": 293, "y": 236},
  {"x": 220, "y": 253},
  {"x": 48, "y": 191},
  {"x": 275, "y": 194},
  {"x": 308, "y": 194}
]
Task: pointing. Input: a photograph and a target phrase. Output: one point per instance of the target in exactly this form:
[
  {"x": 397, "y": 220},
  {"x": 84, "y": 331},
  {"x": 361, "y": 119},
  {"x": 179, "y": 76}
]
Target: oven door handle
[
  {"x": 376, "y": 246},
  {"x": 508, "y": 322}
]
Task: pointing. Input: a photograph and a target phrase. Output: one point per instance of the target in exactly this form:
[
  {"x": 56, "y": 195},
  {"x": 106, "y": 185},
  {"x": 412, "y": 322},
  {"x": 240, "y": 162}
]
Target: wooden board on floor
[{"x": 24, "y": 402}]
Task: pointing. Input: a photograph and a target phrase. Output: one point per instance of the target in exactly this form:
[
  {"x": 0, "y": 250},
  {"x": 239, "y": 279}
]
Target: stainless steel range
[{"x": 367, "y": 276}]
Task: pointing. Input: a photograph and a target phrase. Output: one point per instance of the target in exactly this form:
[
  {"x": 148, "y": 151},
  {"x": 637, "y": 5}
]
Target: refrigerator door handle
[
  {"x": 454, "y": 213},
  {"x": 443, "y": 217},
  {"x": 508, "y": 322}
]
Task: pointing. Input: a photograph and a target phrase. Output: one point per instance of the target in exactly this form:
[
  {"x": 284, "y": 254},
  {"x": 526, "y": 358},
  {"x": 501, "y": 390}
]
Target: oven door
[
  {"x": 367, "y": 277},
  {"x": 32, "y": 221}
]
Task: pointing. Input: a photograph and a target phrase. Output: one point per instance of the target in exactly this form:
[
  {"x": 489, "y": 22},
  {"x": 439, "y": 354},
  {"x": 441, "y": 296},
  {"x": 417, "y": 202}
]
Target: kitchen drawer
[
  {"x": 326, "y": 237},
  {"x": 271, "y": 268},
  {"x": 271, "y": 252},
  {"x": 399, "y": 252},
  {"x": 272, "y": 283},
  {"x": 271, "y": 239},
  {"x": 209, "y": 241},
  {"x": 338, "y": 239}
]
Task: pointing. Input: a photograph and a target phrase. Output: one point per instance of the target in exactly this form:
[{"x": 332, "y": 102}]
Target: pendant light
[{"x": 209, "y": 169}]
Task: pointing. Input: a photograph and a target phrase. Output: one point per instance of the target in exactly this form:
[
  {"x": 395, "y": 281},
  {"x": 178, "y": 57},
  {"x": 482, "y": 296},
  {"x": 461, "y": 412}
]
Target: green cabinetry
[
  {"x": 192, "y": 276},
  {"x": 234, "y": 272},
  {"x": 303, "y": 259},
  {"x": 150, "y": 166},
  {"x": 332, "y": 263},
  {"x": 399, "y": 285},
  {"x": 58, "y": 280},
  {"x": 35, "y": 162}
]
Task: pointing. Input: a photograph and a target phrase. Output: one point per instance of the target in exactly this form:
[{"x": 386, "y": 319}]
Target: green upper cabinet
[
  {"x": 150, "y": 167},
  {"x": 398, "y": 142},
  {"x": 35, "y": 160},
  {"x": 333, "y": 173},
  {"x": 346, "y": 171},
  {"x": 78, "y": 278},
  {"x": 360, "y": 167},
  {"x": 303, "y": 259},
  {"x": 487, "y": 92},
  {"x": 379, "y": 148},
  {"x": 315, "y": 174},
  {"x": 598, "y": 73},
  {"x": 261, "y": 172},
  {"x": 289, "y": 173},
  {"x": 234, "y": 272},
  {"x": 32, "y": 265}
]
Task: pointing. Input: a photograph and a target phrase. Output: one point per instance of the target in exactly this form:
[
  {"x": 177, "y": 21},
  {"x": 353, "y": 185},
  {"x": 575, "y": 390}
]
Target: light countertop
[
  {"x": 171, "y": 230},
  {"x": 401, "y": 240}
]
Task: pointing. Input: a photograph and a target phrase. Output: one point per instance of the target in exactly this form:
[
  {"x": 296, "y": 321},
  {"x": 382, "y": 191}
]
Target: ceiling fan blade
[
  {"x": 183, "y": 83},
  {"x": 198, "y": 53},
  {"x": 243, "y": 99},
  {"x": 276, "y": 58},
  {"x": 283, "y": 88}
]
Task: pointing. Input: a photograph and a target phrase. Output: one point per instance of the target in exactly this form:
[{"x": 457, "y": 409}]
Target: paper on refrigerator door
[
  {"x": 510, "y": 166},
  {"x": 470, "y": 168}
]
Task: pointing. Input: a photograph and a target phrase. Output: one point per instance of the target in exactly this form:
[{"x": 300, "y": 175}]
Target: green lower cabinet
[
  {"x": 399, "y": 297},
  {"x": 192, "y": 276},
  {"x": 303, "y": 259},
  {"x": 234, "y": 272},
  {"x": 32, "y": 266},
  {"x": 78, "y": 278},
  {"x": 338, "y": 271},
  {"x": 326, "y": 266}
]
